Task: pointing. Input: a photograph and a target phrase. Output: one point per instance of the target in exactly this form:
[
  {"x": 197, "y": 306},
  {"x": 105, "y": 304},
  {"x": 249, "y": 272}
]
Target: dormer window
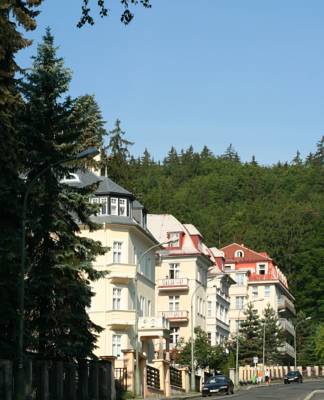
[
  {"x": 118, "y": 206},
  {"x": 103, "y": 201},
  {"x": 70, "y": 178},
  {"x": 239, "y": 253},
  {"x": 174, "y": 238},
  {"x": 262, "y": 269}
]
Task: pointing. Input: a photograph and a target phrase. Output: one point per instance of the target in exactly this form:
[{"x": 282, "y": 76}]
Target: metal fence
[
  {"x": 121, "y": 377},
  {"x": 175, "y": 377},
  {"x": 153, "y": 377},
  {"x": 58, "y": 380}
]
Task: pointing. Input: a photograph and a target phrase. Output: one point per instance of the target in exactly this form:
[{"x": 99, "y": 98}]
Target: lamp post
[
  {"x": 295, "y": 338},
  {"x": 237, "y": 344},
  {"x": 20, "y": 375},
  {"x": 137, "y": 369}
]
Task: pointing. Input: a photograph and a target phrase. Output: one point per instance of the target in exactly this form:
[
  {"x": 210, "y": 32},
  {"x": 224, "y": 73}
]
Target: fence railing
[
  {"x": 153, "y": 377},
  {"x": 175, "y": 377},
  {"x": 121, "y": 377},
  {"x": 58, "y": 380}
]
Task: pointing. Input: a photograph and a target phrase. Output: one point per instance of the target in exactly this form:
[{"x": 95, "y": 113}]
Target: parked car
[
  {"x": 217, "y": 384},
  {"x": 293, "y": 376}
]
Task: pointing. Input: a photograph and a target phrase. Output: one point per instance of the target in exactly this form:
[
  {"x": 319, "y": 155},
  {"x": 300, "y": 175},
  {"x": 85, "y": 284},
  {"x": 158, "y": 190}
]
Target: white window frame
[
  {"x": 122, "y": 204},
  {"x": 174, "y": 270},
  {"x": 114, "y": 205},
  {"x": 116, "y": 345},
  {"x": 117, "y": 251},
  {"x": 174, "y": 238},
  {"x": 174, "y": 335},
  {"x": 240, "y": 279},
  {"x": 116, "y": 298},
  {"x": 142, "y": 306},
  {"x": 262, "y": 267},
  {"x": 174, "y": 303},
  {"x": 255, "y": 291},
  {"x": 209, "y": 308},
  {"x": 239, "y": 253},
  {"x": 239, "y": 302}
]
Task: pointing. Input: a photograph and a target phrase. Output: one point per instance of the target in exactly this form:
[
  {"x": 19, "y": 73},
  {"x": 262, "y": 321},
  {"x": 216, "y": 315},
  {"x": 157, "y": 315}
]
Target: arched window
[{"x": 239, "y": 253}]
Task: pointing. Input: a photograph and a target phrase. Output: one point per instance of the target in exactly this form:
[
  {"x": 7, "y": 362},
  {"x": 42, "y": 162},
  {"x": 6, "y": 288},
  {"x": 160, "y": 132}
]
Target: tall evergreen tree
[
  {"x": 12, "y": 14},
  {"x": 231, "y": 154},
  {"x": 250, "y": 336},
  {"x": 59, "y": 259},
  {"x": 274, "y": 336},
  {"x": 116, "y": 158}
]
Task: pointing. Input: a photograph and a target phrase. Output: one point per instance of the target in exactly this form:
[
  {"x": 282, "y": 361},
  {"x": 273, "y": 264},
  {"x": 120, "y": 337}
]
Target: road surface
[{"x": 294, "y": 391}]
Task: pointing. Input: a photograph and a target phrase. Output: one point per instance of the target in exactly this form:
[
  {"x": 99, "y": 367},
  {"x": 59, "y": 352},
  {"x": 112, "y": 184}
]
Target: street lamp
[
  {"x": 295, "y": 338},
  {"x": 237, "y": 344},
  {"x": 137, "y": 369},
  {"x": 20, "y": 375}
]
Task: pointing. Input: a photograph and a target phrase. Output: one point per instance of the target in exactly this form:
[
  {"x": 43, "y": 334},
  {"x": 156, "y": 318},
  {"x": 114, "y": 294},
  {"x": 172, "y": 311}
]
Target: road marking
[{"x": 308, "y": 397}]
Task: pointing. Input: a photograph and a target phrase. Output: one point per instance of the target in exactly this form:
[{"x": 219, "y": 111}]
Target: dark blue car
[{"x": 217, "y": 384}]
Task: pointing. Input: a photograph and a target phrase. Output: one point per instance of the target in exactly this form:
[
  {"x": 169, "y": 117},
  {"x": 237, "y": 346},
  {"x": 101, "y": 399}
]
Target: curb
[{"x": 309, "y": 397}]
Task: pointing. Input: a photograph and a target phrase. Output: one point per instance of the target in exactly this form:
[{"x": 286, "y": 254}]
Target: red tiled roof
[{"x": 249, "y": 254}]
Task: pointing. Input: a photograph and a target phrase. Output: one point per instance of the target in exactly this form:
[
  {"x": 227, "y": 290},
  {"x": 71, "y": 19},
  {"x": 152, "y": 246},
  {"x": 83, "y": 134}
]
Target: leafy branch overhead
[{"x": 126, "y": 16}]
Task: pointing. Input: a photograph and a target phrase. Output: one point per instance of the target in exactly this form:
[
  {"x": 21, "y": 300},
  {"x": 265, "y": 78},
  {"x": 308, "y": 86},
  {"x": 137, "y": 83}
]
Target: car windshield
[
  {"x": 217, "y": 379},
  {"x": 292, "y": 373}
]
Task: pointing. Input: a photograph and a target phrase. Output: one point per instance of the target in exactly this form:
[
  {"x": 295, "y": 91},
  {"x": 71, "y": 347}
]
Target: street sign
[{"x": 255, "y": 360}]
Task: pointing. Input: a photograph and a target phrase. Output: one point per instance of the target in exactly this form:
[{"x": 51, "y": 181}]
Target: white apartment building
[
  {"x": 218, "y": 300},
  {"x": 124, "y": 232},
  {"x": 181, "y": 277},
  {"x": 260, "y": 281}
]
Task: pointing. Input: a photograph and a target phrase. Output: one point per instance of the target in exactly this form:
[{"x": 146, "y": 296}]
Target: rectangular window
[
  {"x": 142, "y": 306},
  {"x": 117, "y": 252},
  {"x": 173, "y": 303},
  {"x": 239, "y": 302},
  {"x": 209, "y": 309},
  {"x": 103, "y": 201},
  {"x": 113, "y": 206},
  {"x": 255, "y": 291},
  {"x": 116, "y": 298},
  {"x": 174, "y": 335},
  {"x": 174, "y": 271},
  {"x": 209, "y": 337},
  {"x": 261, "y": 269},
  {"x": 222, "y": 311},
  {"x": 116, "y": 345},
  {"x": 174, "y": 237},
  {"x": 123, "y": 207},
  {"x": 239, "y": 279},
  {"x": 267, "y": 291},
  {"x": 238, "y": 325},
  {"x": 149, "y": 308}
]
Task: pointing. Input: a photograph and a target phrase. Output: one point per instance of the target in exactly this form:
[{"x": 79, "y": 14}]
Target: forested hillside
[{"x": 278, "y": 209}]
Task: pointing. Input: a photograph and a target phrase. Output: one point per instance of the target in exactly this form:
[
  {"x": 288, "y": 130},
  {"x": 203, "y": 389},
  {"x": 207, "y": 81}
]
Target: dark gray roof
[
  {"x": 137, "y": 204},
  {"x": 106, "y": 185}
]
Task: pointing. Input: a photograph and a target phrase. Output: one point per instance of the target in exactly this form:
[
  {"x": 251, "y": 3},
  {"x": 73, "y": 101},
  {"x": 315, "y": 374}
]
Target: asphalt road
[{"x": 294, "y": 391}]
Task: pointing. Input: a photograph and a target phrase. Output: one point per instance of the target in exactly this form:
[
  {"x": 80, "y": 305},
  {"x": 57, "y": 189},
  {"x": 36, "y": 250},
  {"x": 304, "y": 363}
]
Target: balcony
[
  {"x": 153, "y": 327},
  {"x": 121, "y": 273},
  {"x": 287, "y": 326},
  {"x": 285, "y": 304},
  {"x": 176, "y": 316},
  {"x": 287, "y": 349},
  {"x": 274, "y": 276},
  {"x": 120, "y": 318},
  {"x": 169, "y": 284}
]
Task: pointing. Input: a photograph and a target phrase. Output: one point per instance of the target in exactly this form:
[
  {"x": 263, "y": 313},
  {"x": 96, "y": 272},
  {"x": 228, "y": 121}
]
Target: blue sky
[{"x": 198, "y": 72}]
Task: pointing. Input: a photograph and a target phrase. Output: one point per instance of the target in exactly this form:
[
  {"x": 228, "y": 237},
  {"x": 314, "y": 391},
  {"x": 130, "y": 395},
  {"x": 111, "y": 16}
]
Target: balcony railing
[
  {"x": 287, "y": 326},
  {"x": 253, "y": 277},
  {"x": 288, "y": 349},
  {"x": 176, "y": 315},
  {"x": 153, "y": 323},
  {"x": 285, "y": 303},
  {"x": 173, "y": 284}
]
